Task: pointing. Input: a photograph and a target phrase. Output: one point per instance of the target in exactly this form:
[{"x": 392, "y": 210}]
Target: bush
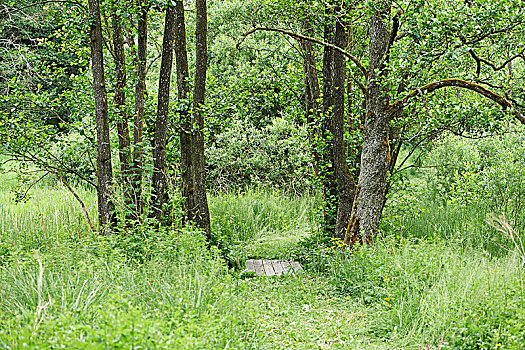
[
  {"x": 461, "y": 181},
  {"x": 275, "y": 156}
]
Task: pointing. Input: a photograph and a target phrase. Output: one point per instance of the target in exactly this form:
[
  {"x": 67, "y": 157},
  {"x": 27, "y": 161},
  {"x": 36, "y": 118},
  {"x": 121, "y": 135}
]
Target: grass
[{"x": 61, "y": 286}]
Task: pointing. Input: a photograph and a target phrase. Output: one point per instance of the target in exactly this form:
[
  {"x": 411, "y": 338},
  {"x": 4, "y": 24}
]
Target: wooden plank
[
  {"x": 250, "y": 265},
  {"x": 268, "y": 268},
  {"x": 277, "y": 267},
  {"x": 287, "y": 267},
  {"x": 272, "y": 267},
  {"x": 258, "y": 265},
  {"x": 296, "y": 266}
]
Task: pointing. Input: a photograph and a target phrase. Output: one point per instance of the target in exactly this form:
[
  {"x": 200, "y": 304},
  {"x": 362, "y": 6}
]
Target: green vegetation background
[{"x": 439, "y": 278}]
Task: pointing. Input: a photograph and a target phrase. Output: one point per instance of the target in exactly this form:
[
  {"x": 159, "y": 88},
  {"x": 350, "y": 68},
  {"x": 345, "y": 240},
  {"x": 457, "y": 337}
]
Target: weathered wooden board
[
  {"x": 287, "y": 267},
  {"x": 268, "y": 268},
  {"x": 272, "y": 267},
  {"x": 258, "y": 267},
  {"x": 277, "y": 267},
  {"x": 250, "y": 266}
]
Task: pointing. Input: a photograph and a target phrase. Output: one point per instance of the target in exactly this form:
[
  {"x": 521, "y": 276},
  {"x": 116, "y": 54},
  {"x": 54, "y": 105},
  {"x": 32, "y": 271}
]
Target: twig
[{"x": 84, "y": 209}]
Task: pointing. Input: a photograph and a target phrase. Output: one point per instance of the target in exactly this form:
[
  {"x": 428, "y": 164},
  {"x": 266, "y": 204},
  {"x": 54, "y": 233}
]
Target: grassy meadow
[{"x": 436, "y": 280}]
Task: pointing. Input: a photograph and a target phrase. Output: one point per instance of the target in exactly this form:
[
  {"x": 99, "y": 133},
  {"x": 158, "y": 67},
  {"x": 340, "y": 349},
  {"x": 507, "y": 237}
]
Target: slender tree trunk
[
  {"x": 159, "y": 181},
  {"x": 375, "y": 158},
  {"x": 120, "y": 104},
  {"x": 202, "y": 215},
  {"x": 106, "y": 213},
  {"x": 345, "y": 184},
  {"x": 140, "y": 91},
  {"x": 327, "y": 171},
  {"x": 183, "y": 89},
  {"x": 312, "y": 94}
]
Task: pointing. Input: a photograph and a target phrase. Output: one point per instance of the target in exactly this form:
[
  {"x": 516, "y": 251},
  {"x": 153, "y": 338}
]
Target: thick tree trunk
[
  {"x": 375, "y": 157},
  {"x": 159, "y": 181},
  {"x": 183, "y": 90},
  {"x": 345, "y": 184},
  {"x": 140, "y": 91},
  {"x": 124, "y": 142},
  {"x": 106, "y": 213},
  {"x": 202, "y": 214}
]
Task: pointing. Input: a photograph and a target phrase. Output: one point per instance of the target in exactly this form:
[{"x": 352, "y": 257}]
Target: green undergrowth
[
  {"x": 432, "y": 287},
  {"x": 431, "y": 292},
  {"x": 261, "y": 224}
]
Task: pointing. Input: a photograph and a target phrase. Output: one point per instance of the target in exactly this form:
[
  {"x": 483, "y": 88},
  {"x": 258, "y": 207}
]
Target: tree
[
  {"x": 202, "y": 213},
  {"x": 159, "y": 179},
  {"x": 140, "y": 90},
  {"x": 192, "y": 128},
  {"x": 106, "y": 213},
  {"x": 376, "y": 154},
  {"x": 388, "y": 76}
]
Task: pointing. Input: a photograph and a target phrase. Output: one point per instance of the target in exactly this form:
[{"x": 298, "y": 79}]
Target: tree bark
[
  {"x": 140, "y": 91},
  {"x": 327, "y": 171},
  {"x": 312, "y": 94},
  {"x": 345, "y": 184},
  {"x": 375, "y": 157},
  {"x": 124, "y": 142},
  {"x": 159, "y": 180},
  {"x": 183, "y": 90},
  {"x": 106, "y": 213},
  {"x": 202, "y": 214}
]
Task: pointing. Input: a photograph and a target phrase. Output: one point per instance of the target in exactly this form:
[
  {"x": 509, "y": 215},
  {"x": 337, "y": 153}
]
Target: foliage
[
  {"x": 38, "y": 65},
  {"x": 497, "y": 324},
  {"x": 275, "y": 156},
  {"x": 423, "y": 291}
]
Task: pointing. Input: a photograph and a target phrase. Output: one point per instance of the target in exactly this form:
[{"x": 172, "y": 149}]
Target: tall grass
[
  {"x": 92, "y": 296},
  {"x": 262, "y": 224},
  {"x": 420, "y": 293},
  {"x": 253, "y": 214},
  {"x": 432, "y": 282},
  {"x": 47, "y": 216}
]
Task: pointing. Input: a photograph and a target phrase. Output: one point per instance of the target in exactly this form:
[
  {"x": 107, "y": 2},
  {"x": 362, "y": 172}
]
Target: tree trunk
[
  {"x": 183, "y": 90},
  {"x": 202, "y": 214},
  {"x": 375, "y": 157},
  {"x": 159, "y": 180},
  {"x": 106, "y": 213},
  {"x": 345, "y": 184},
  {"x": 140, "y": 91},
  {"x": 120, "y": 104},
  {"x": 312, "y": 94},
  {"x": 328, "y": 180}
]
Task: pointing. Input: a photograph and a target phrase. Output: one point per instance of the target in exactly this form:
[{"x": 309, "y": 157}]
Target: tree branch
[
  {"x": 429, "y": 88},
  {"x": 17, "y": 9},
  {"x": 480, "y": 60},
  {"x": 304, "y": 37},
  {"x": 84, "y": 209}
]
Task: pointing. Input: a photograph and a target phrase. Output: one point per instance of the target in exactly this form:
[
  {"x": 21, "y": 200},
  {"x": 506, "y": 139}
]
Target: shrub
[{"x": 274, "y": 156}]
